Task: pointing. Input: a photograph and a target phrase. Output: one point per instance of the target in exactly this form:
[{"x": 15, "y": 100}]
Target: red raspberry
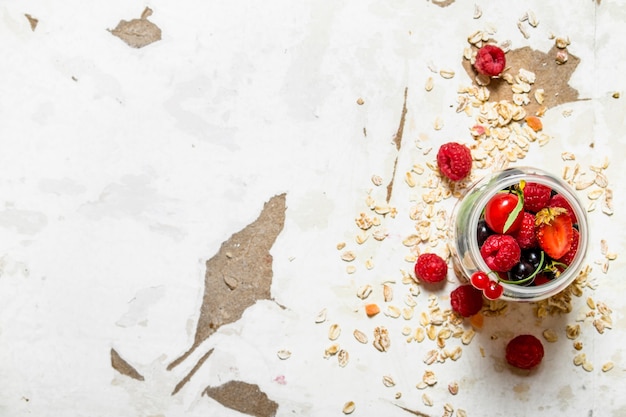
[
  {"x": 571, "y": 253},
  {"x": 454, "y": 160},
  {"x": 525, "y": 235},
  {"x": 490, "y": 60},
  {"x": 500, "y": 252},
  {"x": 536, "y": 196},
  {"x": 431, "y": 267},
  {"x": 466, "y": 300},
  {"x": 524, "y": 351},
  {"x": 558, "y": 200}
]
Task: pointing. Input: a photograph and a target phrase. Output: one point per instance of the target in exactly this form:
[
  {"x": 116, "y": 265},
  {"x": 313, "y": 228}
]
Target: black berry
[
  {"x": 482, "y": 232},
  {"x": 521, "y": 270}
]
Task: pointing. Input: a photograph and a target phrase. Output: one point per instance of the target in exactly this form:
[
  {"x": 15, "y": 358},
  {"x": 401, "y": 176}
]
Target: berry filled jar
[{"x": 519, "y": 234}]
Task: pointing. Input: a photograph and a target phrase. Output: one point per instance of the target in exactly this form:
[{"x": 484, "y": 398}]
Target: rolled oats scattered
[
  {"x": 419, "y": 335},
  {"x": 607, "y": 366},
  {"x": 348, "y": 256},
  {"x": 283, "y": 354},
  {"x": 360, "y": 336},
  {"x": 478, "y": 12},
  {"x": 349, "y": 407},
  {"x": 587, "y": 366},
  {"x": 562, "y": 42},
  {"x": 453, "y": 387},
  {"x": 467, "y": 337},
  {"x": 550, "y": 335},
  {"x": 343, "y": 357},
  {"x": 580, "y": 359},
  {"x": 331, "y": 350},
  {"x": 429, "y": 378},
  {"x": 388, "y": 381},
  {"x": 393, "y": 312},
  {"x": 446, "y": 73},
  {"x": 377, "y": 180},
  {"x": 321, "y": 316},
  {"x": 364, "y": 291},
  {"x": 429, "y": 84},
  {"x": 381, "y": 339},
  {"x": 334, "y": 331},
  {"x": 431, "y": 356}
]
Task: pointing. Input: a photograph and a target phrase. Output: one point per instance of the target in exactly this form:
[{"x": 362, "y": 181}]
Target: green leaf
[{"x": 513, "y": 215}]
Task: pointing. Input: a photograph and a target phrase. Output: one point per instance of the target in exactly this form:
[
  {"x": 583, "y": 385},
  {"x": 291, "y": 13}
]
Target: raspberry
[
  {"x": 454, "y": 160},
  {"x": 500, "y": 252},
  {"x": 571, "y": 253},
  {"x": 524, "y": 351},
  {"x": 558, "y": 200},
  {"x": 525, "y": 235},
  {"x": 431, "y": 267},
  {"x": 466, "y": 300},
  {"x": 536, "y": 196},
  {"x": 490, "y": 60}
]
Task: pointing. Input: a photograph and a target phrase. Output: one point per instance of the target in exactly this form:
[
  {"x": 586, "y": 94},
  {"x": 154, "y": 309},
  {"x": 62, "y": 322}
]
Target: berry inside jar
[{"x": 527, "y": 235}]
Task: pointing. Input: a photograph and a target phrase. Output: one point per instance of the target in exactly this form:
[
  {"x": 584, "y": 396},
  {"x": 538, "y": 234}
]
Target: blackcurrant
[
  {"x": 521, "y": 270},
  {"x": 532, "y": 256},
  {"x": 482, "y": 232}
]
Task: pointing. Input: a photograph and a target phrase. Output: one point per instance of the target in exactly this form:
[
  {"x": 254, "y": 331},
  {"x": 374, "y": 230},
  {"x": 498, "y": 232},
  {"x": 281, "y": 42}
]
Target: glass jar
[{"x": 468, "y": 211}]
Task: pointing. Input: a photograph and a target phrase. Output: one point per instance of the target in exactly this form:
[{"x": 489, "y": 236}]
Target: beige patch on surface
[
  {"x": 551, "y": 76},
  {"x": 123, "y": 367},
  {"x": 33, "y": 21},
  {"x": 138, "y": 33},
  {"x": 243, "y": 397}
]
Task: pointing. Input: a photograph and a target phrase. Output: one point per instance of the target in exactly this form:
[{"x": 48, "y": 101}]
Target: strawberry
[
  {"x": 554, "y": 231},
  {"x": 571, "y": 253}
]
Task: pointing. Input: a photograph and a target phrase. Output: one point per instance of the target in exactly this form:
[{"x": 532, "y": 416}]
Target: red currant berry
[
  {"x": 480, "y": 280},
  {"x": 493, "y": 291}
]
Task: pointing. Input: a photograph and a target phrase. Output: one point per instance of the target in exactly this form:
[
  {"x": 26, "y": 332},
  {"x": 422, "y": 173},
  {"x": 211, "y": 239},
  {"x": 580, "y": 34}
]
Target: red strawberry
[
  {"x": 554, "y": 231},
  {"x": 571, "y": 253},
  {"x": 558, "y": 200},
  {"x": 536, "y": 196},
  {"x": 525, "y": 235}
]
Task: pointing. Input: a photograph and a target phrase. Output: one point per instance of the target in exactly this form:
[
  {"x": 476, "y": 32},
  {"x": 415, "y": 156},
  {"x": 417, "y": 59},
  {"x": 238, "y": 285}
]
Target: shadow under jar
[{"x": 469, "y": 211}]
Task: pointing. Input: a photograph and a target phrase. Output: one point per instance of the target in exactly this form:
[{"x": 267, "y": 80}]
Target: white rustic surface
[{"x": 123, "y": 170}]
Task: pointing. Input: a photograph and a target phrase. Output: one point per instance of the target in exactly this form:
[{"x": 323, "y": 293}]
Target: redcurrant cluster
[{"x": 492, "y": 289}]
